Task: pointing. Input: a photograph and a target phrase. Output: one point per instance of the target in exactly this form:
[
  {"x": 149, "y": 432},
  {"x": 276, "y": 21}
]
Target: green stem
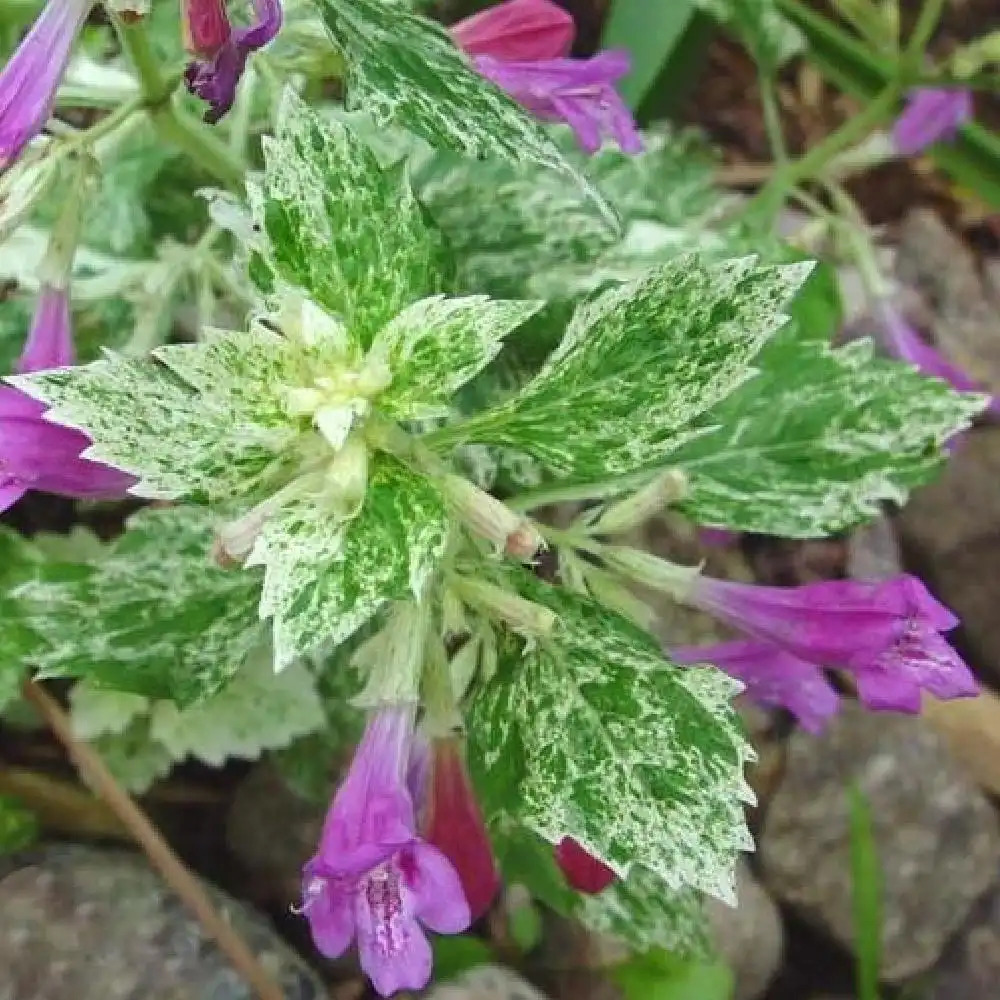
[
  {"x": 923, "y": 30},
  {"x": 156, "y": 88},
  {"x": 772, "y": 120}
]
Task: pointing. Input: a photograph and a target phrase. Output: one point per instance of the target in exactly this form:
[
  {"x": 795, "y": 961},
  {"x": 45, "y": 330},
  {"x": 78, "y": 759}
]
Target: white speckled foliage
[{"x": 591, "y": 734}]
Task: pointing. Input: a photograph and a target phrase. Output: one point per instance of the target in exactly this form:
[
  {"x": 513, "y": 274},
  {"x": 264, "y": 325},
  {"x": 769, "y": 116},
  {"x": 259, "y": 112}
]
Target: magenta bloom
[
  {"x": 773, "y": 678},
  {"x": 215, "y": 80},
  {"x": 886, "y": 633},
  {"x": 525, "y": 30},
  {"x": 206, "y": 26},
  {"x": 454, "y": 824},
  {"x": 904, "y": 343},
  {"x": 579, "y": 92},
  {"x": 373, "y": 877},
  {"x": 34, "y": 453},
  {"x": 931, "y": 115},
  {"x": 583, "y": 871},
  {"x": 29, "y": 80}
]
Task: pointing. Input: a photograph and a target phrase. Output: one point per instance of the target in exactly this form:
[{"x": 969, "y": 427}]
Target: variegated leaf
[
  {"x": 437, "y": 345},
  {"x": 348, "y": 232},
  {"x": 591, "y": 734},
  {"x": 325, "y": 577},
  {"x": 638, "y": 364}
]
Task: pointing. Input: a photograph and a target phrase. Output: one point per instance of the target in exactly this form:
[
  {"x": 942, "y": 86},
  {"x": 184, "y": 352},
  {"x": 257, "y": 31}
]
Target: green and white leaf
[
  {"x": 204, "y": 421},
  {"x": 591, "y": 734},
  {"x": 403, "y": 69},
  {"x": 638, "y": 364},
  {"x": 348, "y": 232},
  {"x": 816, "y": 442},
  {"x": 97, "y": 711},
  {"x": 152, "y": 617},
  {"x": 257, "y": 710},
  {"x": 645, "y": 913},
  {"x": 324, "y": 577},
  {"x": 134, "y": 757},
  {"x": 437, "y": 345}
]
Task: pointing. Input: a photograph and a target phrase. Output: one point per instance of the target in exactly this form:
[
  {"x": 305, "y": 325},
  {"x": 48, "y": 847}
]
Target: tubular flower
[
  {"x": 215, "y": 80},
  {"x": 521, "y": 45},
  {"x": 36, "y": 454},
  {"x": 373, "y": 878},
  {"x": 583, "y": 871},
  {"x": 931, "y": 115},
  {"x": 886, "y": 633},
  {"x": 454, "y": 825},
  {"x": 904, "y": 343},
  {"x": 206, "y": 26},
  {"x": 518, "y": 30},
  {"x": 773, "y": 678},
  {"x": 29, "y": 80}
]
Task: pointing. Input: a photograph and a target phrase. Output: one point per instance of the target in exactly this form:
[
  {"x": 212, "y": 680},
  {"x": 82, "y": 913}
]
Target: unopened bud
[
  {"x": 651, "y": 571},
  {"x": 463, "y": 667},
  {"x": 346, "y": 476},
  {"x": 206, "y": 26},
  {"x": 665, "y": 489},
  {"x": 492, "y": 519},
  {"x": 521, "y": 615}
]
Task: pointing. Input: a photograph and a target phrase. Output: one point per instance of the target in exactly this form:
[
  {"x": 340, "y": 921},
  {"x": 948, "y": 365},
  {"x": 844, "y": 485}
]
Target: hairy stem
[{"x": 88, "y": 762}]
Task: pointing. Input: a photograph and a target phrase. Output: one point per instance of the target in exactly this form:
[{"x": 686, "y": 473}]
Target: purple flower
[
  {"x": 34, "y": 453},
  {"x": 903, "y": 342},
  {"x": 215, "y": 80},
  {"x": 517, "y": 29},
  {"x": 773, "y": 678},
  {"x": 886, "y": 633},
  {"x": 579, "y": 92},
  {"x": 29, "y": 80},
  {"x": 373, "y": 877},
  {"x": 583, "y": 871},
  {"x": 931, "y": 115}
]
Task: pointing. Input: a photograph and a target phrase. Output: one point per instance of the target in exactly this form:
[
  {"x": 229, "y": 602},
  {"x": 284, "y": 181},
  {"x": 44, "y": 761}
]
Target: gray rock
[
  {"x": 950, "y": 531},
  {"x": 970, "y": 967},
  {"x": 749, "y": 937},
  {"x": 937, "y": 836},
  {"x": 961, "y": 319},
  {"x": 487, "y": 982},
  {"x": 77, "y": 923}
]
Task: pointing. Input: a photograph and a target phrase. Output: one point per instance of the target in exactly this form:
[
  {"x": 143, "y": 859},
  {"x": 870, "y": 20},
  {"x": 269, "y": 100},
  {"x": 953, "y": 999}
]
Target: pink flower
[
  {"x": 216, "y": 80},
  {"x": 29, "y": 80},
  {"x": 579, "y": 92},
  {"x": 373, "y": 878},
  {"x": 773, "y": 678},
  {"x": 931, "y": 116},
  {"x": 206, "y": 26},
  {"x": 34, "y": 453},
  {"x": 886, "y": 633},
  {"x": 518, "y": 45},
  {"x": 454, "y": 825},
  {"x": 583, "y": 871},
  {"x": 525, "y": 30},
  {"x": 904, "y": 343}
]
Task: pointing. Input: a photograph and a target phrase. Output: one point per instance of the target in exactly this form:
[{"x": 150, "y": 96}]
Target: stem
[
  {"x": 160, "y": 855},
  {"x": 156, "y": 88},
  {"x": 772, "y": 120},
  {"x": 927, "y": 22}
]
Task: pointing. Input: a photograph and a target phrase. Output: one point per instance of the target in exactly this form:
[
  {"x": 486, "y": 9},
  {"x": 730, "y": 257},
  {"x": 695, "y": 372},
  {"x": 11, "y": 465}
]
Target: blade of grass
[{"x": 866, "y": 882}]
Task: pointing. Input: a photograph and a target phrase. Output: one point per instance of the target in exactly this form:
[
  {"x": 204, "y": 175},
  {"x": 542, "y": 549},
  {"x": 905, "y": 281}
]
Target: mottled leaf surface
[
  {"x": 325, "y": 577},
  {"x": 403, "y": 69},
  {"x": 638, "y": 364},
  {"x": 812, "y": 445},
  {"x": 154, "y": 616},
  {"x": 348, "y": 232},
  {"x": 592, "y": 734},
  {"x": 437, "y": 345}
]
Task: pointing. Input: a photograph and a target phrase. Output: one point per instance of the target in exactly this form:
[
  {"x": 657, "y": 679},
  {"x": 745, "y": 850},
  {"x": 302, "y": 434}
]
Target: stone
[
  {"x": 970, "y": 966},
  {"x": 750, "y": 937},
  {"x": 273, "y": 832},
  {"x": 78, "y": 923},
  {"x": 937, "y": 836},
  {"x": 487, "y": 982},
  {"x": 950, "y": 533},
  {"x": 961, "y": 318}
]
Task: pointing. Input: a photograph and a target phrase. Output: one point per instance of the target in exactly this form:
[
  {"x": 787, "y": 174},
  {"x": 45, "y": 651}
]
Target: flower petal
[
  {"x": 518, "y": 30},
  {"x": 10, "y": 493},
  {"x": 438, "y": 898},
  {"x": 330, "y": 916}
]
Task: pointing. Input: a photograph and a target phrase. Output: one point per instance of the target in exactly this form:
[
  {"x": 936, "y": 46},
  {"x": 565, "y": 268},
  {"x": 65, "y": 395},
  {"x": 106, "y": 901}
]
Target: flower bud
[
  {"x": 583, "y": 871},
  {"x": 521, "y": 615},
  {"x": 666, "y": 488},
  {"x": 651, "y": 571},
  {"x": 517, "y": 30},
  {"x": 206, "y": 26},
  {"x": 492, "y": 519}
]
